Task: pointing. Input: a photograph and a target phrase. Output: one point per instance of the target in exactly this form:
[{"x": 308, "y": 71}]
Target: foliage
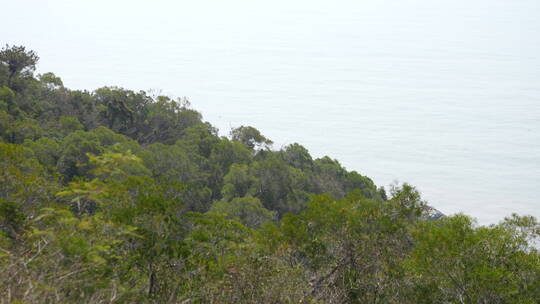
[
  {"x": 19, "y": 62},
  {"x": 116, "y": 196},
  {"x": 248, "y": 210},
  {"x": 250, "y": 137},
  {"x": 453, "y": 261}
]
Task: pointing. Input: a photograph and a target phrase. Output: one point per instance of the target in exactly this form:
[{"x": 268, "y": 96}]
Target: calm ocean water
[{"x": 444, "y": 95}]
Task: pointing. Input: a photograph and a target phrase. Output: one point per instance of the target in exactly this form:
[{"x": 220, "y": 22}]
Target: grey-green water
[{"x": 441, "y": 94}]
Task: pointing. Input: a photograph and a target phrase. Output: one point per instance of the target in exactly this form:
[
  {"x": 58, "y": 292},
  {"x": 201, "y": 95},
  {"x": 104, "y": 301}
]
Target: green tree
[
  {"x": 454, "y": 261},
  {"x": 73, "y": 158},
  {"x": 68, "y": 124},
  {"x": 46, "y": 150},
  {"x": 51, "y": 81},
  {"x": 23, "y": 181},
  {"x": 63, "y": 258},
  {"x": 167, "y": 121},
  {"x": 350, "y": 249},
  {"x": 124, "y": 193},
  {"x": 7, "y": 100},
  {"x": 297, "y": 156},
  {"x": 278, "y": 186},
  {"x": 238, "y": 182},
  {"x": 248, "y": 210},
  {"x": 250, "y": 137},
  {"x": 19, "y": 61}
]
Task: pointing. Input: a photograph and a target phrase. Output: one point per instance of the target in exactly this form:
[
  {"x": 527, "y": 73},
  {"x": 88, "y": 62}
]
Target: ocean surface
[{"x": 444, "y": 95}]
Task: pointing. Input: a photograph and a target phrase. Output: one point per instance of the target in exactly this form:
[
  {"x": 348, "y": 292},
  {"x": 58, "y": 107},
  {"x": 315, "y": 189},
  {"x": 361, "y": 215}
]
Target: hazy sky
[{"x": 94, "y": 43}]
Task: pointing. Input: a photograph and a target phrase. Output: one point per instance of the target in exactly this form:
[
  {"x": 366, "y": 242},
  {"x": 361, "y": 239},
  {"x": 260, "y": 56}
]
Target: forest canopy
[{"x": 117, "y": 196}]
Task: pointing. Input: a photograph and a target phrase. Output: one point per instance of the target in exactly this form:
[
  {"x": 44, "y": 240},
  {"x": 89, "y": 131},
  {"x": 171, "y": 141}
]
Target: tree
[
  {"x": 73, "y": 156},
  {"x": 123, "y": 193},
  {"x": 455, "y": 261},
  {"x": 250, "y": 137},
  {"x": 66, "y": 125},
  {"x": 166, "y": 121},
  {"x": 280, "y": 187},
  {"x": 224, "y": 265},
  {"x": 7, "y": 99},
  {"x": 119, "y": 116},
  {"x": 238, "y": 182},
  {"x": 329, "y": 176},
  {"x": 23, "y": 181},
  {"x": 350, "y": 248},
  {"x": 297, "y": 156},
  {"x": 19, "y": 61},
  {"x": 248, "y": 210},
  {"x": 46, "y": 150},
  {"x": 51, "y": 81}
]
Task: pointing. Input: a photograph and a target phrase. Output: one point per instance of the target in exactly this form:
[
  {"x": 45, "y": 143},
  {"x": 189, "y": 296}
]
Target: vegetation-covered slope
[{"x": 115, "y": 196}]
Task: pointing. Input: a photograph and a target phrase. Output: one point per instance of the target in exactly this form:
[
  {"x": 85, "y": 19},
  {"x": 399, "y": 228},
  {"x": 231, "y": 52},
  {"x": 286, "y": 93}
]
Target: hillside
[{"x": 116, "y": 196}]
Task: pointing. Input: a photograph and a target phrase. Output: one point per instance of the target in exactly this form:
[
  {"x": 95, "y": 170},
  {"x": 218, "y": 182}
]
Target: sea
[{"x": 443, "y": 95}]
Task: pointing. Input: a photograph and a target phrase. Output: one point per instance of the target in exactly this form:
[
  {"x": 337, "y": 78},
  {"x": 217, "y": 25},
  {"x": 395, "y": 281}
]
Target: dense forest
[{"x": 116, "y": 196}]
